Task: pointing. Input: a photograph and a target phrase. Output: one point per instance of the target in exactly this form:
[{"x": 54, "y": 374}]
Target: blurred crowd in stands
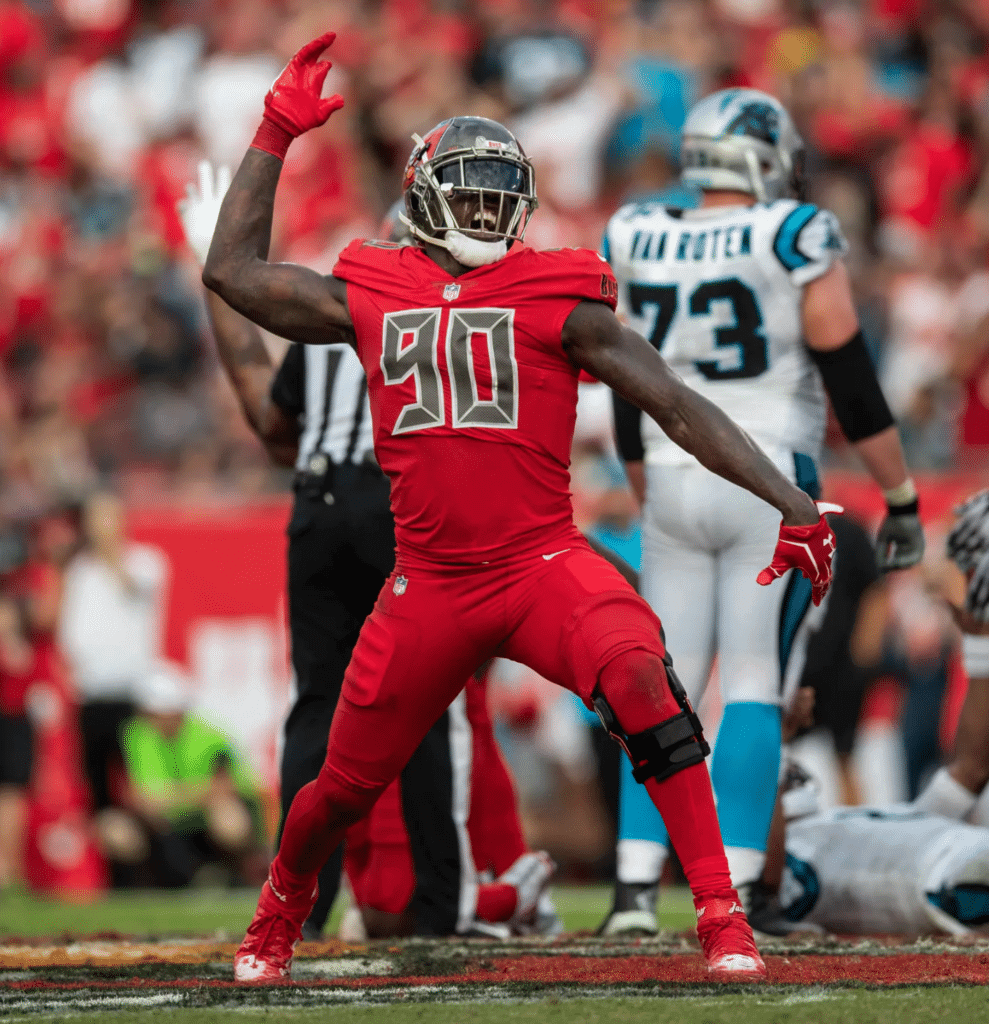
[
  {"x": 107, "y": 775},
  {"x": 106, "y": 105},
  {"x": 107, "y": 371}
]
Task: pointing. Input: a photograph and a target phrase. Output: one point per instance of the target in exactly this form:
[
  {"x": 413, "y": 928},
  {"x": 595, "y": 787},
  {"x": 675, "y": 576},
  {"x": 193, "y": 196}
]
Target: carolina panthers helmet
[
  {"x": 743, "y": 140},
  {"x": 473, "y": 159}
]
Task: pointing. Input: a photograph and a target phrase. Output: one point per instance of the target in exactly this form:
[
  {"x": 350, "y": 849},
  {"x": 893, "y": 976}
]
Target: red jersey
[{"x": 472, "y": 397}]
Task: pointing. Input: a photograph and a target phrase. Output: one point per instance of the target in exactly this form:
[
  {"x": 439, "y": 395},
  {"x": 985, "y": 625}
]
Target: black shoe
[
  {"x": 765, "y": 915},
  {"x": 634, "y": 911}
]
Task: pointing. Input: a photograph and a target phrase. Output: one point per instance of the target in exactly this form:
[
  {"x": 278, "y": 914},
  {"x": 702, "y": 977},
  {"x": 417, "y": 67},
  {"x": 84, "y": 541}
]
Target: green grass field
[
  {"x": 228, "y": 911},
  {"x": 904, "y": 1006},
  {"x": 225, "y": 913},
  {"x": 143, "y": 913}
]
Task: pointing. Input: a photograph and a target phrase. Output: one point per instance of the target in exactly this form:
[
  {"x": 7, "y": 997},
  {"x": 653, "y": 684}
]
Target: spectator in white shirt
[{"x": 110, "y": 630}]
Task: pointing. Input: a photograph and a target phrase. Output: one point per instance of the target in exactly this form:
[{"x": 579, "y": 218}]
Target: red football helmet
[{"x": 470, "y": 176}]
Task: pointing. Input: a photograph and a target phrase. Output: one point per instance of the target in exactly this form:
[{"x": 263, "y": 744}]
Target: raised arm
[
  {"x": 238, "y": 342},
  {"x": 595, "y": 340},
  {"x": 292, "y": 301},
  {"x": 252, "y": 373}
]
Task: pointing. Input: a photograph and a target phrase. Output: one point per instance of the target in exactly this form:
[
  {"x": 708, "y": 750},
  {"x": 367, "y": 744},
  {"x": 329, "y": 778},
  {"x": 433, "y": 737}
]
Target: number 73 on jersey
[{"x": 739, "y": 349}]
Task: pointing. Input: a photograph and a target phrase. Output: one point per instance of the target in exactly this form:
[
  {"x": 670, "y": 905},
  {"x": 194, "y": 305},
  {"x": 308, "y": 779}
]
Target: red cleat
[
  {"x": 726, "y": 939},
  {"x": 265, "y": 955}
]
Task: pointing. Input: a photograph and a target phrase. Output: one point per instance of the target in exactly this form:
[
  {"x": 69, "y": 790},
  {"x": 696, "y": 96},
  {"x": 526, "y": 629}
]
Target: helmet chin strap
[
  {"x": 758, "y": 185},
  {"x": 471, "y": 252}
]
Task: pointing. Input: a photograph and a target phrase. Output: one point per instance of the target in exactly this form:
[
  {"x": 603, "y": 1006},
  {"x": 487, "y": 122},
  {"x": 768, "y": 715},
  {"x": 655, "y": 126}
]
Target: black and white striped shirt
[{"x": 325, "y": 386}]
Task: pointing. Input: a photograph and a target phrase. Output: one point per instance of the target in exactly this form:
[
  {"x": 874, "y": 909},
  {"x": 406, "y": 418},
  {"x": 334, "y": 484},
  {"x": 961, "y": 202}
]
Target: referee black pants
[{"x": 340, "y": 553}]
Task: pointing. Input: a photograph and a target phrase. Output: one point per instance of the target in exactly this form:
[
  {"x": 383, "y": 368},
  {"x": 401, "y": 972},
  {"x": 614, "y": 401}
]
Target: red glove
[
  {"x": 293, "y": 104},
  {"x": 807, "y": 548}
]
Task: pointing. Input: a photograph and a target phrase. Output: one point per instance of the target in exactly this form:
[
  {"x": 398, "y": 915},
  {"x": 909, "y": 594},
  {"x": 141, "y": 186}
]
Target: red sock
[
  {"x": 640, "y": 697},
  {"x": 496, "y": 902},
  {"x": 686, "y": 802},
  {"x": 287, "y": 883}
]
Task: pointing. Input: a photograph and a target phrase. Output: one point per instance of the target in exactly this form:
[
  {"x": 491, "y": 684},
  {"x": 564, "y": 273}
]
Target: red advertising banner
[
  {"x": 226, "y": 616},
  {"x": 938, "y": 496}
]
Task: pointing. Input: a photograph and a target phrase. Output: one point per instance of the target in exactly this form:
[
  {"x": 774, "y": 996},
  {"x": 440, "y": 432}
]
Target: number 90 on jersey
[{"x": 410, "y": 348}]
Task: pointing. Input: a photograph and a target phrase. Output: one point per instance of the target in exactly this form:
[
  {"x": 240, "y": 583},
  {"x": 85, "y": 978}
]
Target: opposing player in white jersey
[
  {"x": 893, "y": 870},
  {"x": 955, "y": 790},
  {"x": 747, "y": 299}
]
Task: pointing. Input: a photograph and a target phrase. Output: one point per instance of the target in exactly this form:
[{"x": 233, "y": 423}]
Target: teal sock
[{"x": 745, "y": 772}]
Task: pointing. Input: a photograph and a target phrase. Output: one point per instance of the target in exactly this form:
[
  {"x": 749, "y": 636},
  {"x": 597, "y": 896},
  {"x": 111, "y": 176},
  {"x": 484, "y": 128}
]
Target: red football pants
[
  {"x": 496, "y": 837},
  {"x": 565, "y": 618},
  {"x": 568, "y": 615},
  {"x": 377, "y": 859}
]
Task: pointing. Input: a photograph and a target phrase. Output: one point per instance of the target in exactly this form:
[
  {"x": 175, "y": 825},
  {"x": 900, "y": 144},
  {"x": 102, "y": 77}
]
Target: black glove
[{"x": 900, "y": 543}]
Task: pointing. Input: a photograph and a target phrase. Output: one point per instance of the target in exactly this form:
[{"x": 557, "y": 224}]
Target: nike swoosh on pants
[{"x": 555, "y": 553}]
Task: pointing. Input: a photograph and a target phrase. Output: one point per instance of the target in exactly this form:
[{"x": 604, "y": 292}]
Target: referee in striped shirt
[
  {"x": 341, "y": 549},
  {"x": 313, "y": 414}
]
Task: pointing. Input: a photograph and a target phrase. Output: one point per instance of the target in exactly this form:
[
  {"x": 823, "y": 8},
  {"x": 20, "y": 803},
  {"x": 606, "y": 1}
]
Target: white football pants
[{"x": 704, "y": 542}]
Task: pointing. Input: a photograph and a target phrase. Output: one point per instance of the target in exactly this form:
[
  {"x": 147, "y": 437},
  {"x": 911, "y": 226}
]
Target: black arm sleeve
[
  {"x": 628, "y": 420},
  {"x": 851, "y": 383},
  {"x": 288, "y": 388},
  {"x": 860, "y": 558}
]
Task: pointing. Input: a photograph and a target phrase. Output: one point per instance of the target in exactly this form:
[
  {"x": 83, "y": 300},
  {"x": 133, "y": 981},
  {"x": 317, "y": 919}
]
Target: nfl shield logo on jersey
[
  {"x": 400, "y": 584},
  {"x": 451, "y": 292}
]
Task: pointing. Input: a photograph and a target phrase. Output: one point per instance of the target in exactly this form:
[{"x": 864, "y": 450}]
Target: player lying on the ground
[
  {"x": 955, "y": 789},
  {"x": 862, "y": 870},
  {"x": 747, "y": 298},
  {"x": 449, "y": 888},
  {"x": 472, "y": 346},
  {"x": 867, "y": 870}
]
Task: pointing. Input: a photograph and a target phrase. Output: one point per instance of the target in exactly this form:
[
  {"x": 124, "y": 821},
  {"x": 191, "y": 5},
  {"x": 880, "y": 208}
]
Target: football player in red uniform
[
  {"x": 379, "y": 855},
  {"x": 472, "y": 345}
]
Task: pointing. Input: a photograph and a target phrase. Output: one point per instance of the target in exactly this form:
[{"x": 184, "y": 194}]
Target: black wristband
[{"x": 911, "y": 508}]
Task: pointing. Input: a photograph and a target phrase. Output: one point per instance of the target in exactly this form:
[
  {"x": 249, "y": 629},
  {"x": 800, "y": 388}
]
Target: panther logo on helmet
[
  {"x": 742, "y": 140},
  {"x": 759, "y": 120}
]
